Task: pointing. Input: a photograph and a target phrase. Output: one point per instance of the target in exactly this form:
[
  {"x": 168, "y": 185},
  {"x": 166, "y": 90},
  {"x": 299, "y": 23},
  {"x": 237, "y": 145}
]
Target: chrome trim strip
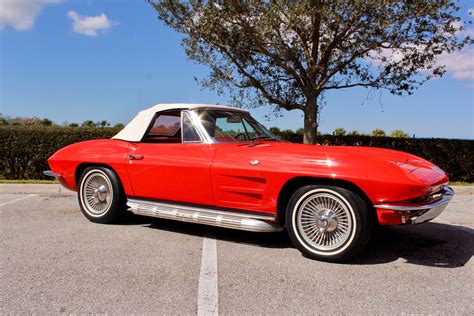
[
  {"x": 199, "y": 127},
  {"x": 202, "y": 215},
  {"x": 447, "y": 195},
  {"x": 50, "y": 173},
  {"x": 193, "y": 124}
]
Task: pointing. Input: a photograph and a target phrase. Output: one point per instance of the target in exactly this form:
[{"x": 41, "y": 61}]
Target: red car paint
[{"x": 250, "y": 177}]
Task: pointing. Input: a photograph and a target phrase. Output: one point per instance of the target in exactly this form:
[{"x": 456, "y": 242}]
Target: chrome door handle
[{"x": 135, "y": 157}]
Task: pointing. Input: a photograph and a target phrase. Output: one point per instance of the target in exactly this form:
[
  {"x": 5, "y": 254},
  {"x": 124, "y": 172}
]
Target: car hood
[{"x": 375, "y": 162}]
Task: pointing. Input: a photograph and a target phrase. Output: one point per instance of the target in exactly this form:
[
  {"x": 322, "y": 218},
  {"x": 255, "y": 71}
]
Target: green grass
[
  {"x": 461, "y": 183},
  {"x": 28, "y": 181}
]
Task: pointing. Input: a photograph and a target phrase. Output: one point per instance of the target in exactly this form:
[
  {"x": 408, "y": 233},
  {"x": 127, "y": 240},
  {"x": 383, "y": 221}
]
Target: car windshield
[{"x": 227, "y": 126}]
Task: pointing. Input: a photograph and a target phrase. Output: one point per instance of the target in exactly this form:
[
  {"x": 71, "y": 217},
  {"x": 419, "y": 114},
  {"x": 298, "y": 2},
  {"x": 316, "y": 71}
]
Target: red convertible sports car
[{"x": 218, "y": 166}]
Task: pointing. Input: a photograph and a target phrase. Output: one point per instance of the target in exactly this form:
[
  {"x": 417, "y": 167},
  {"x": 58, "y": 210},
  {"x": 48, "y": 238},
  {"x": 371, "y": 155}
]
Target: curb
[
  {"x": 49, "y": 189},
  {"x": 463, "y": 190}
]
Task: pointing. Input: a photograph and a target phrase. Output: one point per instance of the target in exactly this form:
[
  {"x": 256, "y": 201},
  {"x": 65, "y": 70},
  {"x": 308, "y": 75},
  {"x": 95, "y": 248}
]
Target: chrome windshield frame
[{"x": 209, "y": 139}]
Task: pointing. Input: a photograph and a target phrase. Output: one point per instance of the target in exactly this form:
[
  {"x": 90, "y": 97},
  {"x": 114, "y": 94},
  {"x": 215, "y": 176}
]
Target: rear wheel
[
  {"x": 328, "y": 223},
  {"x": 100, "y": 195}
]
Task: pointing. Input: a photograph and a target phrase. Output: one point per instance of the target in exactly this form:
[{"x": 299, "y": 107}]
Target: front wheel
[
  {"x": 100, "y": 195},
  {"x": 328, "y": 223}
]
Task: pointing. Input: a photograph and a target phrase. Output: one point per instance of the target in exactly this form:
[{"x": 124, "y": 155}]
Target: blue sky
[{"x": 105, "y": 60}]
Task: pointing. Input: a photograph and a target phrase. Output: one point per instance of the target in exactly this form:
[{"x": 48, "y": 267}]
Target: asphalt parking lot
[{"x": 54, "y": 261}]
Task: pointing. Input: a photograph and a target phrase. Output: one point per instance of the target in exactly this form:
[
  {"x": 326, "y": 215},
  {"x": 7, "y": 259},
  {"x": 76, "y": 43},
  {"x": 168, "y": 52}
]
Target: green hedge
[
  {"x": 24, "y": 150},
  {"x": 454, "y": 156}
]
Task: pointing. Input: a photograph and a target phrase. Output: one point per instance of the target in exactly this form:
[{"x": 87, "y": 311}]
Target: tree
[
  {"x": 274, "y": 130},
  {"x": 119, "y": 126},
  {"x": 103, "y": 124},
  {"x": 73, "y": 125},
  {"x": 378, "y": 133},
  {"x": 353, "y": 133},
  {"x": 399, "y": 134},
  {"x": 291, "y": 53},
  {"x": 339, "y": 131},
  {"x": 299, "y": 131},
  {"x": 3, "y": 120},
  {"x": 46, "y": 122},
  {"x": 88, "y": 124}
]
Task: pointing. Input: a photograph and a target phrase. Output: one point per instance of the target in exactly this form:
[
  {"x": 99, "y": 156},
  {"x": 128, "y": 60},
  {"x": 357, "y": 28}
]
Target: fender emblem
[{"x": 254, "y": 162}]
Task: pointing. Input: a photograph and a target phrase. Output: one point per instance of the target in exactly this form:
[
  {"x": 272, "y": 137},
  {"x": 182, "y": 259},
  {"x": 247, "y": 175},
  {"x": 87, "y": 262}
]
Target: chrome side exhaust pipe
[{"x": 206, "y": 216}]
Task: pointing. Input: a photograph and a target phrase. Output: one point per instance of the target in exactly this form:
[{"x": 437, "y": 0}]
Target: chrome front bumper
[
  {"x": 50, "y": 173},
  {"x": 415, "y": 214}
]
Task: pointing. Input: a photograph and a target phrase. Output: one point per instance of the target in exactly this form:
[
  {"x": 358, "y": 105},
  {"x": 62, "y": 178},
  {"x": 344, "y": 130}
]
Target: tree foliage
[
  {"x": 353, "y": 133},
  {"x": 378, "y": 133},
  {"x": 300, "y": 131},
  {"x": 399, "y": 134},
  {"x": 340, "y": 131},
  {"x": 46, "y": 122},
  {"x": 119, "y": 126},
  {"x": 290, "y": 53},
  {"x": 88, "y": 124},
  {"x": 103, "y": 124},
  {"x": 35, "y": 121}
]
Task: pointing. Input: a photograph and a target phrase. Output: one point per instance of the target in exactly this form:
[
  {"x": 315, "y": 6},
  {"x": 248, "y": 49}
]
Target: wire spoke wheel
[
  {"x": 96, "y": 193},
  {"x": 324, "y": 221}
]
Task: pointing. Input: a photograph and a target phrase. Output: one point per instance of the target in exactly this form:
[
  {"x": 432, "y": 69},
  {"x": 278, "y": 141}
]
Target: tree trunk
[{"x": 311, "y": 121}]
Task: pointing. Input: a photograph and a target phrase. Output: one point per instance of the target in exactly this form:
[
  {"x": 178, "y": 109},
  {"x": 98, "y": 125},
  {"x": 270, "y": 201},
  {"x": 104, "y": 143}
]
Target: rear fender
[{"x": 72, "y": 160}]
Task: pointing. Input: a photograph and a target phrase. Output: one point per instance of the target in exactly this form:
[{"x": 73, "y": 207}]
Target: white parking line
[
  {"x": 18, "y": 199},
  {"x": 208, "y": 296}
]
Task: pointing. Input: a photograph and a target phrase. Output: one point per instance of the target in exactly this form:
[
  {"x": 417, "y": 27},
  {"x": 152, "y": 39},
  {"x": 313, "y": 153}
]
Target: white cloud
[
  {"x": 459, "y": 64},
  {"x": 89, "y": 25},
  {"x": 21, "y": 14},
  {"x": 469, "y": 85}
]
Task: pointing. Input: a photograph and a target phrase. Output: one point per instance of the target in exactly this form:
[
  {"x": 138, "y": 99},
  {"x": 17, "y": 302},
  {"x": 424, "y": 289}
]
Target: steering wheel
[{"x": 236, "y": 137}]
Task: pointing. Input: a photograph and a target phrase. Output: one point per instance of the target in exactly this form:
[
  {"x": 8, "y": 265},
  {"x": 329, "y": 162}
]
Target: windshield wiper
[{"x": 254, "y": 141}]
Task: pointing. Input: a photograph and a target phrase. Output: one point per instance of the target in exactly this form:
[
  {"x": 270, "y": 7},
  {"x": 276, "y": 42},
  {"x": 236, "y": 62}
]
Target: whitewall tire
[
  {"x": 100, "y": 195},
  {"x": 328, "y": 223}
]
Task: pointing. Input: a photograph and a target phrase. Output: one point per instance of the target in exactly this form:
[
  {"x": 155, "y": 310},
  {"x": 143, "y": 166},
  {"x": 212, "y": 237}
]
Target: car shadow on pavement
[{"x": 429, "y": 244}]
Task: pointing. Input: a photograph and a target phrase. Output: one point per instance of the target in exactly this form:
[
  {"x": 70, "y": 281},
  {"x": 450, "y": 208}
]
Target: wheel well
[
  {"x": 83, "y": 166},
  {"x": 294, "y": 184}
]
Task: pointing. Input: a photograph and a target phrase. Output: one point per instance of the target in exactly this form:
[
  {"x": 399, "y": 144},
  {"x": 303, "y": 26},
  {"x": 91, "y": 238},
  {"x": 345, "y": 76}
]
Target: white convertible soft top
[{"x": 137, "y": 127}]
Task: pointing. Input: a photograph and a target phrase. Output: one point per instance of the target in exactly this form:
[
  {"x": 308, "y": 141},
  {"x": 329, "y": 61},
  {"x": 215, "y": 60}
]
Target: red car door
[
  {"x": 163, "y": 167},
  {"x": 246, "y": 177},
  {"x": 245, "y": 173}
]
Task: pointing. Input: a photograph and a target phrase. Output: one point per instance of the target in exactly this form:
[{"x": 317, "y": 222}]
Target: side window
[
  {"x": 165, "y": 129},
  {"x": 190, "y": 134}
]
